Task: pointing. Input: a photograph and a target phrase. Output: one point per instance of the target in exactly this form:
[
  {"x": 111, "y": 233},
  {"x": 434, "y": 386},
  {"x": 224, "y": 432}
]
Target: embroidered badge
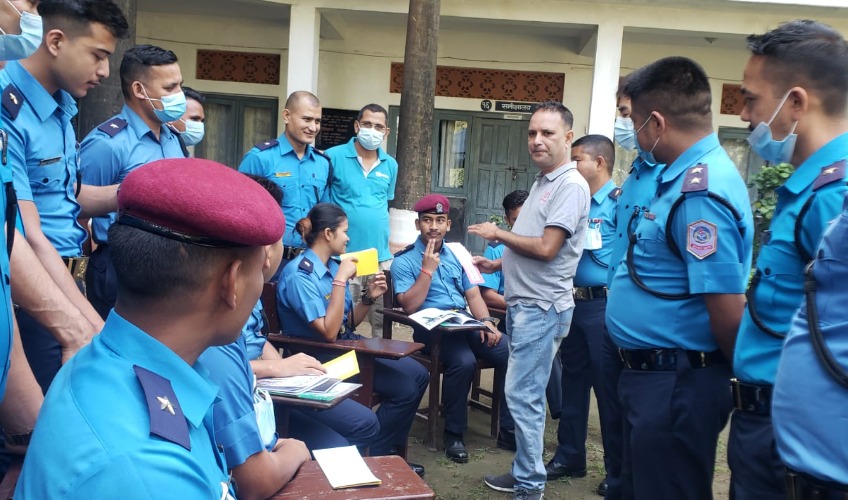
[
  {"x": 702, "y": 239},
  {"x": 282, "y": 174}
]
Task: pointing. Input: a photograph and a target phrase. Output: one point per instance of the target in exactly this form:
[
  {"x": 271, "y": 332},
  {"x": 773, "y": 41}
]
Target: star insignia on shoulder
[
  {"x": 165, "y": 404},
  {"x": 695, "y": 180},
  {"x": 829, "y": 171},
  {"x": 14, "y": 98},
  {"x": 697, "y": 170},
  {"x": 113, "y": 125}
]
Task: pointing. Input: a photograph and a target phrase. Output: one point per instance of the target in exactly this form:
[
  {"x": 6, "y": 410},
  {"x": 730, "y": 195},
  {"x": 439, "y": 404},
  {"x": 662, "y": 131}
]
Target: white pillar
[
  {"x": 304, "y": 33},
  {"x": 605, "y": 79}
]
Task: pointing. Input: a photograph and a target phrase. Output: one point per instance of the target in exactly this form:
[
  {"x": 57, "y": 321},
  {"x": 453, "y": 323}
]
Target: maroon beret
[
  {"x": 199, "y": 202},
  {"x": 432, "y": 204}
]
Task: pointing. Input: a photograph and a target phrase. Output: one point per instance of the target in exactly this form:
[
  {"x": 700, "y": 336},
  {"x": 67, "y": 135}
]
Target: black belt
[
  {"x": 290, "y": 253},
  {"x": 751, "y": 398},
  {"x": 76, "y": 266},
  {"x": 590, "y": 292},
  {"x": 801, "y": 486},
  {"x": 666, "y": 359}
]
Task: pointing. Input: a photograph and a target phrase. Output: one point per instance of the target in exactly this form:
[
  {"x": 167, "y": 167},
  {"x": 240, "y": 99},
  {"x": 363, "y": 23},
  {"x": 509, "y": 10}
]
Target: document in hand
[
  {"x": 431, "y": 318},
  {"x": 466, "y": 261},
  {"x": 366, "y": 261},
  {"x": 345, "y": 468},
  {"x": 338, "y": 369}
]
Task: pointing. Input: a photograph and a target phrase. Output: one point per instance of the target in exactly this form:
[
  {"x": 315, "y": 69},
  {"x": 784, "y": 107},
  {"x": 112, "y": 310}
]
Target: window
[
  {"x": 234, "y": 124},
  {"x": 451, "y": 154}
]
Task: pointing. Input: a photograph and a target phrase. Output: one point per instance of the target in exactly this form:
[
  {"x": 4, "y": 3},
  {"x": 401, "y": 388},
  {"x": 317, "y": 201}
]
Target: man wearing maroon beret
[{"x": 133, "y": 411}]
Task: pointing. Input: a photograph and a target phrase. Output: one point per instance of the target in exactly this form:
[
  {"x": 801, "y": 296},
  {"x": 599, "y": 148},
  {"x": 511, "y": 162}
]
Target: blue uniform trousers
[
  {"x": 348, "y": 423},
  {"x": 589, "y": 360},
  {"x": 100, "y": 283},
  {"x": 758, "y": 473},
  {"x": 460, "y": 351},
  {"x": 672, "y": 420}
]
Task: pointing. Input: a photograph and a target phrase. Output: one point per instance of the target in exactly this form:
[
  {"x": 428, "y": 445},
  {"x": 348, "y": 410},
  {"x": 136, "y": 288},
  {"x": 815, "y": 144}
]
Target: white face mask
[
  {"x": 625, "y": 133},
  {"x": 369, "y": 138},
  {"x": 13, "y": 47},
  {"x": 194, "y": 132}
]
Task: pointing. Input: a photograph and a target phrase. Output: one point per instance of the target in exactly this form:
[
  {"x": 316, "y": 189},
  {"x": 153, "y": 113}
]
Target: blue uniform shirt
[
  {"x": 593, "y": 265},
  {"x": 780, "y": 267},
  {"x": 449, "y": 282},
  {"x": 809, "y": 408},
  {"x": 493, "y": 251},
  {"x": 715, "y": 256},
  {"x": 364, "y": 198},
  {"x": 637, "y": 191},
  {"x": 43, "y": 155},
  {"x": 303, "y": 294},
  {"x": 304, "y": 181},
  {"x": 252, "y": 333},
  {"x": 6, "y": 326},
  {"x": 236, "y": 429},
  {"x": 117, "y": 147},
  {"x": 95, "y": 426}
]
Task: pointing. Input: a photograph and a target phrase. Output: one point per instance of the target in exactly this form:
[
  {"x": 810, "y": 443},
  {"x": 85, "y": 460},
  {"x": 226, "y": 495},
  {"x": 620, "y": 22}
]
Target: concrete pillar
[
  {"x": 605, "y": 78},
  {"x": 304, "y": 41}
]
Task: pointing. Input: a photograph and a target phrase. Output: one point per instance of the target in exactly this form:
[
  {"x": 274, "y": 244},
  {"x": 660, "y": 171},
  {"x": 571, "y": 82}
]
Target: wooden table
[{"x": 399, "y": 482}]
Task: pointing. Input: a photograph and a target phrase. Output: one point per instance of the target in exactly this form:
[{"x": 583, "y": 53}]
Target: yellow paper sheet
[
  {"x": 343, "y": 367},
  {"x": 366, "y": 264}
]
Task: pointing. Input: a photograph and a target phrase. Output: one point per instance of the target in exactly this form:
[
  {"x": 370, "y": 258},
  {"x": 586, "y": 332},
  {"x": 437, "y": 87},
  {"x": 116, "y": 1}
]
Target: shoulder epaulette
[
  {"x": 270, "y": 143},
  {"x": 166, "y": 417},
  {"x": 322, "y": 154},
  {"x": 830, "y": 174},
  {"x": 12, "y": 100},
  {"x": 615, "y": 193},
  {"x": 306, "y": 265},
  {"x": 113, "y": 126},
  {"x": 404, "y": 250},
  {"x": 697, "y": 179},
  {"x": 494, "y": 243}
]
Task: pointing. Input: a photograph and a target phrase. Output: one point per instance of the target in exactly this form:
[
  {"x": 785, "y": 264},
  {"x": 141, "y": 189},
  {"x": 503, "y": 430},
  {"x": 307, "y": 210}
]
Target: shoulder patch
[
  {"x": 306, "y": 265},
  {"x": 494, "y": 243},
  {"x": 702, "y": 239},
  {"x": 697, "y": 179},
  {"x": 113, "y": 126},
  {"x": 166, "y": 417},
  {"x": 406, "y": 249},
  {"x": 615, "y": 193},
  {"x": 262, "y": 146},
  {"x": 830, "y": 174},
  {"x": 13, "y": 99}
]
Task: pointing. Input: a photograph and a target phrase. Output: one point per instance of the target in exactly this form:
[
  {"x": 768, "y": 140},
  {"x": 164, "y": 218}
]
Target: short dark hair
[
  {"x": 272, "y": 187},
  {"x": 74, "y": 17},
  {"x": 807, "y": 54},
  {"x": 598, "y": 145},
  {"x": 190, "y": 93},
  {"x": 374, "y": 108},
  {"x": 299, "y": 96},
  {"x": 153, "y": 268},
  {"x": 322, "y": 216},
  {"x": 515, "y": 199},
  {"x": 138, "y": 59},
  {"x": 557, "y": 107},
  {"x": 676, "y": 87}
]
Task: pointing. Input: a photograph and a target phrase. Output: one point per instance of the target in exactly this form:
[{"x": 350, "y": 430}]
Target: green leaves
[{"x": 767, "y": 180}]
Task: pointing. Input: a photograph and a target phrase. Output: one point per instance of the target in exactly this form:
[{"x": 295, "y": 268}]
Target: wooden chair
[{"x": 432, "y": 361}]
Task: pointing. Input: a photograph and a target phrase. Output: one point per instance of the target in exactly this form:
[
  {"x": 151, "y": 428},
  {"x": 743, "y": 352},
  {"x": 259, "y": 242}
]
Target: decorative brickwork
[
  {"x": 478, "y": 83},
  {"x": 732, "y": 101},
  {"x": 243, "y": 67}
]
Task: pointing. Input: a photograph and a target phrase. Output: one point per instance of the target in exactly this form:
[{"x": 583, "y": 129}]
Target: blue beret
[
  {"x": 432, "y": 204},
  {"x": 200, "y": 202}
]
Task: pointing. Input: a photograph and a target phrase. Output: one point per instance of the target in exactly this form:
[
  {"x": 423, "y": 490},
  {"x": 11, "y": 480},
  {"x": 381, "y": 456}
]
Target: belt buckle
[
  {"x": 81, "y": 268},
  {"x": 737, "y": 392},
  {"x": 581, "y": 293}
]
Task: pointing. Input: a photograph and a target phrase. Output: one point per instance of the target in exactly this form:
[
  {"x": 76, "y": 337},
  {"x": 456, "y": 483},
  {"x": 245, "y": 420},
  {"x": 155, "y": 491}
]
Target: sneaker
[
  {"x": 528, "y": 495},
  {"x": 504, "y": 482}
]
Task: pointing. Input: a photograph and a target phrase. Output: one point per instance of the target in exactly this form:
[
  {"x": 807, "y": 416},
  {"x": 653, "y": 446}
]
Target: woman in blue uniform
[{"x": 314, "y": 301}]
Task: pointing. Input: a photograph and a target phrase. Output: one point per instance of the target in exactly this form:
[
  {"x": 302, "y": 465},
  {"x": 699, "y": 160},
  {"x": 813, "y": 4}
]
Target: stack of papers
[
  {"x": 345, "y": 468},
  {"x": 431, "y": 318},
  {"x": 321, "y": 387}
]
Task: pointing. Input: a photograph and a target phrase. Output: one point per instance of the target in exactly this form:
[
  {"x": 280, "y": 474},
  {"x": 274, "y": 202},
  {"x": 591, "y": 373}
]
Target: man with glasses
[{"x": 362, "y": 183}]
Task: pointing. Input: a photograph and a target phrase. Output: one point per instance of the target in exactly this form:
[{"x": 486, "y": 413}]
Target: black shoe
[
  {"x": 417, "y": 468},
  {"x": 602, "y": 488},
  {"x": 455, "y": 448},
  {"x": 506, "y": 440},
  {"x": 556, "y": 470}
]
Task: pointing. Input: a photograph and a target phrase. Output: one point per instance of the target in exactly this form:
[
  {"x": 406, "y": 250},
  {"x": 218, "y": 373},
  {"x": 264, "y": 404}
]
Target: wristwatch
[
  {"x": 494, "y": 320},
  {"x": 365, "y": 298},
  {"x": 17, "y": 439}
]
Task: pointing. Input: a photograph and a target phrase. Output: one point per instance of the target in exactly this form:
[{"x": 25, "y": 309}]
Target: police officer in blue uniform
[
  {"x": 795, "y": 83},
  {"x": 300, "y": 170},
  {"x": 675, "y": 305},
  {"x": 588, "y": 348},
  {"x": 150, "y": 82},
  {"x": 37, "y": 108},
  {"x": 812, "y": 378},
  {"x": 133, "y": 411},
  {"x": 427, "y": 274},
  {"x": 314, "y": 301}
]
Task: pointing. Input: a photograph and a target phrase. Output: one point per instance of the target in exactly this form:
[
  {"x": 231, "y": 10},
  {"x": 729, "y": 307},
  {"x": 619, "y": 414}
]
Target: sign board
[{"x": 336, "y": 127}]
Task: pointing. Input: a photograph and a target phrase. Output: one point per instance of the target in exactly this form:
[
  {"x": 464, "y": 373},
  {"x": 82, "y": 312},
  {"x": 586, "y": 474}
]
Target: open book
[
  {"x": 321, "y": 387},
  {"x": 431, "y": 318}
]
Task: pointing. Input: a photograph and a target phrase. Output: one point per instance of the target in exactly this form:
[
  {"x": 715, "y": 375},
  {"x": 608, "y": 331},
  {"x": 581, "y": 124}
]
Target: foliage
[
  {"x": 497, "y": 219},
  {"x": 767, "y": 180}
]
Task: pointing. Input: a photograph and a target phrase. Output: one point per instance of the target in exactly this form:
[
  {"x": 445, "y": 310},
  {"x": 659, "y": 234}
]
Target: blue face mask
[
  {"x": 625, "y": 136},
  {"x": 13, "y": 47},
  {"x": 173, "y": 106},
  {"x": 194, "y": 132},
  {"x": 646, "y": 156},
  {"x": 770, "y": 150}
]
